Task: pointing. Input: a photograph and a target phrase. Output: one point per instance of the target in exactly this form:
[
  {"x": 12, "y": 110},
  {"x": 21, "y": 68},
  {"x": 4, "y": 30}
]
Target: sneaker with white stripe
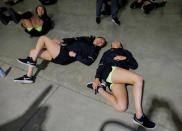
[
  {"x": 24, "y": 79},
  {"x": 27, "y": 61}
]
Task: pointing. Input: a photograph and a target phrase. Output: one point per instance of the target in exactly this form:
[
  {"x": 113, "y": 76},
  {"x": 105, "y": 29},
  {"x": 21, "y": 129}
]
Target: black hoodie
[{"x": 108, "y": 60}]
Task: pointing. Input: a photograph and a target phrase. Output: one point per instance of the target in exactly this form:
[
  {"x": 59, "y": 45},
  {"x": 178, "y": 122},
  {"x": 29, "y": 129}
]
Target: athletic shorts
[
  {"x": 37, "y": 31},
  {"x": 63, "y": 57},
  {"x": 107, "y": 73}
]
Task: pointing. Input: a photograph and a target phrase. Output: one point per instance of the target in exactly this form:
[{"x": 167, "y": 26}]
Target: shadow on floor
[
  {"x": 42, "y": 66},
  {"x": 7, "y": 71},
  {"x": 115, "y": 122},
  {"x": 19, "y": 123},
  {"x": 158, "y": 103}
]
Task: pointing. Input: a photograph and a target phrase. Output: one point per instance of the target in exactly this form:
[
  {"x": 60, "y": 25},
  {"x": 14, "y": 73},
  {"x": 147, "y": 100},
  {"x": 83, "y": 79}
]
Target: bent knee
[
  {"x": 121, "y": 108},
  {"x": 43, "y": 37},
  {"x": 139, "y": 79}
]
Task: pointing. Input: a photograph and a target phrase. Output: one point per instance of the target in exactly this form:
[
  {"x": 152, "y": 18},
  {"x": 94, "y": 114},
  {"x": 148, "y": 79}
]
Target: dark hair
[
  {"x": 105, "y": 42},
  {"x": 45, "y": 11},
  {"x": 121, "y": 44}
]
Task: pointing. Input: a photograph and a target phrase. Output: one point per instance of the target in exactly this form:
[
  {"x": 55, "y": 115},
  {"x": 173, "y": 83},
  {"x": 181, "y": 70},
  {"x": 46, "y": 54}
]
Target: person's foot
[
  {"x": 4, "y": 19},
  {"x": 27, "y": 61},
  {"x": 135, "y": 5},
  {"x": 144, "y": 122},
  {"x": 101, "y": 87},
  {"x": 24, "y": 79},
  {"x": 14, "y": 15},
  {"x": 116, "y": 21},
  {"x": 98, "y": 20}
]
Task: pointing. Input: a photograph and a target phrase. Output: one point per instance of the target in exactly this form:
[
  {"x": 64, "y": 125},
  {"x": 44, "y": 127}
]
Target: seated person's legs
[
  {"x": 4, "y": 18},
  {"x": 114, "y": 11},
  {"x": 150, "y": 5},
  {"x": 26, "y": 23},
  {"x": 36, "y": 22},
  {"x": 107, "y": 8},
  {"x": 17, "y": 16},
  {"x": 136, "y": 4}
]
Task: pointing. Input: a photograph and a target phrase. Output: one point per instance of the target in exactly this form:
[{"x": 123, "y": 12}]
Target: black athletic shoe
[
  {"x": 4, "y": 19},
  {"x": 144, "y": 121},
  {"x": 135, "y": 5},
  {"x": 116, "y": 21},
  {"x": 24, "y": 79},
  {"x": 98, "y": 20},
  {"x": 102, "y": 86},
  {"x": 15, "y": 17},
  {"x": 28, "y": 61}
]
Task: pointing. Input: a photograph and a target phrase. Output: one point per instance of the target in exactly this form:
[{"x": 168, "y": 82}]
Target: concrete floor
[{"x": 60, "y": 101}]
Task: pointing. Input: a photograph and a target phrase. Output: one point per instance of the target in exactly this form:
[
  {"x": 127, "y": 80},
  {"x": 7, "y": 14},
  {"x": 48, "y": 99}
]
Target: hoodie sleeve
[
  {"x": 73, "y": 39},
  {"x": 132, "y": 63},
  {"x": 88, "y": 60},
  {"x": 100, "y": 67}
]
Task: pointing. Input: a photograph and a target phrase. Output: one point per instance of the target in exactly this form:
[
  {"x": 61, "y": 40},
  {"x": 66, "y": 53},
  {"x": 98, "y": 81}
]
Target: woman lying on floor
[
  {"x": 35, "y": 23},
  {"x": 114, "y": 70}
]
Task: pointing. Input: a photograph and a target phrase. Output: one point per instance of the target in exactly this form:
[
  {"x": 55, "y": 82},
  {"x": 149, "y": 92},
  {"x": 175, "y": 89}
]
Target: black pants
[{"x": 114, "y": 7}]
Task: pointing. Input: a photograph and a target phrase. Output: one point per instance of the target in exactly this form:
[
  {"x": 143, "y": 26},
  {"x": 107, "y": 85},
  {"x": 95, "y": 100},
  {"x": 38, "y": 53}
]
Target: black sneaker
[
  {"x": 24, "y": 79},
  {"x": 98, "y": 20},
  {"x": 14, "y": 15},
  {"x": 135, "y": 5},
  {"x": 116, "y": 21},
  {"x": 28, "y": 61},
  {"x": 144, "y": 122},
  {"x": 102, "y": 86},
  {"x": 4, "y": 19}
]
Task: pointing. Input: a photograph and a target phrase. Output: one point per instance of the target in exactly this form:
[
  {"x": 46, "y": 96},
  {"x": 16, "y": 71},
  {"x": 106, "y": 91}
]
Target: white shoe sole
[
  {"x": 143, "y": 126},
  {"x": 23, "y": 82},
  {"x": 114, "y": 22},
  {"x": 25, "y": 63}
]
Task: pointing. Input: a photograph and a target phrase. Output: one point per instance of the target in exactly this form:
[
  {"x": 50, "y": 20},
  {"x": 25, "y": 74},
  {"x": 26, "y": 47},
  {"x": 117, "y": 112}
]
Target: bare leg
[
  {"x": 46, "y": 43},
  {"x": 121, "y": 76},
  {"x": 118, "y": 98},
  {"x": 45, "y": 49},
  {"x": 26, "y": 23},
  {"x": 44, "y": 54}
]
